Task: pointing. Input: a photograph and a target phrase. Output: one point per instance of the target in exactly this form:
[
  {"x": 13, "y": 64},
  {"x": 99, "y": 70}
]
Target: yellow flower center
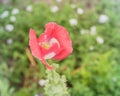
[{"x": 46, "y": 45}]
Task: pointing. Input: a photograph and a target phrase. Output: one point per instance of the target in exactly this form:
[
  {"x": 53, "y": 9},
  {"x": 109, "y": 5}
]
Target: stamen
[{"x": 46, "y": 45}]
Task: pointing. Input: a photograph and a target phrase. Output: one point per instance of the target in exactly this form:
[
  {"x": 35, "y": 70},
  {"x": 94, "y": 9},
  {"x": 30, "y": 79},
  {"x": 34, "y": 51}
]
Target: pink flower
[{"x": 53, "y": 43}]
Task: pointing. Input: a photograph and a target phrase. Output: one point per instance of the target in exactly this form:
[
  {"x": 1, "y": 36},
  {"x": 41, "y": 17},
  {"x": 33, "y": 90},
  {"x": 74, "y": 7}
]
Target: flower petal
[
  {"x": 35, "y": 48},
  {"x": 34, "y": 44},
  {"x": 47, "y": 65},
  {"x": 61, "y": 34}
]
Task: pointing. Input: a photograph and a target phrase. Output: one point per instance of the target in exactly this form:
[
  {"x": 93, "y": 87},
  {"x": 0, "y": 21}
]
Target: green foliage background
[{"x": 88, "y": 72}]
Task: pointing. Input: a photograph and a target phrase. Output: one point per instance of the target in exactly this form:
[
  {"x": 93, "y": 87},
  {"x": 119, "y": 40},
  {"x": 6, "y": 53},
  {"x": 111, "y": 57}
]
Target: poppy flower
[{"x": 53, "y": 43}]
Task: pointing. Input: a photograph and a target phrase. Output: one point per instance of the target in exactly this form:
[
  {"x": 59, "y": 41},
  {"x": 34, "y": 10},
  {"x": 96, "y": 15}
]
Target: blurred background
[{"x": 93, "y": 69}]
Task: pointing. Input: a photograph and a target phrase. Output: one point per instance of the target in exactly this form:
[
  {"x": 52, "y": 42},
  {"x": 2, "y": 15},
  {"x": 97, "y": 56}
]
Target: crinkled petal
[
  {"x": 61, "y": 34},
  {"x": 33, "y": 43}
]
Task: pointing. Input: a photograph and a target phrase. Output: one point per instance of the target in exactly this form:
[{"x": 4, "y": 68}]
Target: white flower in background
[
  {"x": 9, "y": 41},
  {"x": 54, "y": 9},
  {"x": 93, "y": 30},
  {"x": 4, "y": 14},
  {"x": 114, "y": 79},
  {"x": 91, "y": 47},
  {"x": 9, "y": 27},
  {"x": 73, "y": 5},
  {"x": 80, "y": 11},
  {"x": 12, "y": 18},
  {"x": 100, "y": 40},
  {"x": 103, "y": 18},
  {"x": 29, "y": 8},
  {"x": 38, "y": 94},
  {"x": 58, "y": 0},
  {"x": 15, "y": 11},
  {"x": 42, "y": 82},
  {"x": 73, "y": 22},
  {"x": 83, "y": 31}
]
